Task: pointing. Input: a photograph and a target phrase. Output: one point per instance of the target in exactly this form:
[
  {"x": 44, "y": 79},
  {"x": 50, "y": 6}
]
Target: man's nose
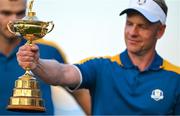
[
  {"x": 134, "y": 31},
  {"x": 13, "y": 17}
]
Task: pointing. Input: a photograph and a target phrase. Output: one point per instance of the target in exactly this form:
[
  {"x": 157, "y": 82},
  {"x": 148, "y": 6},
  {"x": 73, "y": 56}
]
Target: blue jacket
[{"x": 118, "y": 87}]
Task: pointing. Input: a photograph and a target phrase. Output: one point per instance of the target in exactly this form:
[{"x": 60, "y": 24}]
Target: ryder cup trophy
[{"x": 26, "y": 94}]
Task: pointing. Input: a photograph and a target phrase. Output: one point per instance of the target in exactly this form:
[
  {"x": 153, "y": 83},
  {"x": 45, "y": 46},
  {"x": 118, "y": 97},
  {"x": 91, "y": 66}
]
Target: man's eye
[
  {"x": 21, "y": 14},
  {"x": 144, "y": 26},
  {"x": 5, "y": 13},
  {"x": 129, "y": 24}
]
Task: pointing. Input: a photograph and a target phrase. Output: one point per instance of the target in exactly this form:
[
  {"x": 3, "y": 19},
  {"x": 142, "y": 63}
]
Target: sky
[{"x": 85, "y": 28}]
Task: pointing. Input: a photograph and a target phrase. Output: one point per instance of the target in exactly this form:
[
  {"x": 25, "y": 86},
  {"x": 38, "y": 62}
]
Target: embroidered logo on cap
[
  {"x": 157, "y": 94},
  {"x": 141, "y": 2}
]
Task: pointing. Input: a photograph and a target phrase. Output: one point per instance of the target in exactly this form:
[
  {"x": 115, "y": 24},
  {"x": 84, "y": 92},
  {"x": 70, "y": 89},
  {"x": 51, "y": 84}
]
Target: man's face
[
  {"x": 10, "y": 10},
  {"x": 141, "y": 35}
]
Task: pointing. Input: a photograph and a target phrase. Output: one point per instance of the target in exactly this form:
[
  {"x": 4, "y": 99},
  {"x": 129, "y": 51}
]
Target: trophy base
[
  {"x": 25, "y": 108},
  {"x": 26, "y": 95},
  {"x": 26, "y": 104}
]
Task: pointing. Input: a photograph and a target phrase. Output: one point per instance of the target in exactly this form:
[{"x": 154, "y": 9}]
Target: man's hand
[{"x": 28, "y": 56}]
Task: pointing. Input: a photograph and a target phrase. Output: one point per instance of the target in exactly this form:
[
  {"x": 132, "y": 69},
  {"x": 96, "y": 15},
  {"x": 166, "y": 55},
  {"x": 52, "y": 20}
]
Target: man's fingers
[
  {"x": 25, "y": 53},
  {"x": 25, "y": 48},
  {"x": 25, "y": 65},
  {"x": 26, "y": 59},
  {"x": 32, "y": 48},
  {"x": 27, "y": 56}
]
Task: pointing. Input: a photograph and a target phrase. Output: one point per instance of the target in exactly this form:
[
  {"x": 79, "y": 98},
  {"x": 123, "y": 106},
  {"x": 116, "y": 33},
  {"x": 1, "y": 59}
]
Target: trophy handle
[
  {"x": 9, "y": 26},
  {"x": 52, "y": 26}
]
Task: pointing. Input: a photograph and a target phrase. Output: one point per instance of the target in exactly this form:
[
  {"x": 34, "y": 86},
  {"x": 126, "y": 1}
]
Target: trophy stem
[
  {"x": 28, "y": 73},
  {"x": 29, "y": 42}
]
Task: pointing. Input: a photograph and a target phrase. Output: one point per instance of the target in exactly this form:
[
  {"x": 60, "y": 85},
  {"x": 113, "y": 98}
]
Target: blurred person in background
[{"x": 11, "y": 10}]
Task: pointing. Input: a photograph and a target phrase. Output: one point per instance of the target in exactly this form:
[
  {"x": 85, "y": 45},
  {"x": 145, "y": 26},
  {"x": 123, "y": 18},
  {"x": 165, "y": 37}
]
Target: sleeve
[
  {"x": 73, "y": 89},
  {"x": 89, "y": 72}
]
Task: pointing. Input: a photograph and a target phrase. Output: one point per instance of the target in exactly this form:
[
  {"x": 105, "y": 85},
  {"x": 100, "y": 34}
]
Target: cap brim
[{"x": 150, "y": 17}]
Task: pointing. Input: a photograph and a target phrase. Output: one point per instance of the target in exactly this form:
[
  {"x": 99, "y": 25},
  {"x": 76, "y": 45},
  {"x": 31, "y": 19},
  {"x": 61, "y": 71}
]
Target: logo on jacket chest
[{"x": 157, "y": 94}]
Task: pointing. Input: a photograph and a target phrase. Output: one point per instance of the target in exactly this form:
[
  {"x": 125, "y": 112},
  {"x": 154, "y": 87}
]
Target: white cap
[{"x": 149, "y": 9}]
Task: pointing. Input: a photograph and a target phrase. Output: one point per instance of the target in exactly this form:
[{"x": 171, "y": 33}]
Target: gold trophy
[{"x": 26, "y": 94}]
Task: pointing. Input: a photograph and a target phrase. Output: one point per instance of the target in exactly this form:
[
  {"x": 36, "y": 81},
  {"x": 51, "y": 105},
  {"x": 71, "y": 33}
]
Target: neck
[
  {"x": 142, "y": 61},
  {"x": 7, "y": 45}
]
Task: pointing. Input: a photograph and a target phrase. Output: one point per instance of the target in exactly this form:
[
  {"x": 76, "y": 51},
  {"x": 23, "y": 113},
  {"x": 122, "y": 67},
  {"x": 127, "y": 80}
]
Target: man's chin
[
  {"x": 11, "y": 39},
  {"x": 134, "y": 50}
]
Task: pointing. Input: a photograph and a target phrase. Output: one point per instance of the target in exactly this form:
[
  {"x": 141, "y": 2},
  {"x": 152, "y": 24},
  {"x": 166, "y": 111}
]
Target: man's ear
[{"x": 161, "y": 30}]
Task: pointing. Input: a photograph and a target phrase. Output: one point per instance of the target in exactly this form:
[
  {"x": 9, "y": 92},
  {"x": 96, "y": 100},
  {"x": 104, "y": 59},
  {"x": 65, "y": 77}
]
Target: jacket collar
[
  {"x": 127, "y": 63},
  {"x": 15, "y": 50}
]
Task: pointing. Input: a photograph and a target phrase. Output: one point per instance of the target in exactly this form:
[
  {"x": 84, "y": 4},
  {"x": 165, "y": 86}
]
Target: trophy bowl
[{"x": 30, "y": 29}]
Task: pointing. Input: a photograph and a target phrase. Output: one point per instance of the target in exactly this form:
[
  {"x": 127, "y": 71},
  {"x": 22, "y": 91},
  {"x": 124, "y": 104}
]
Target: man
[
  {"x": 11, "y": 10},
  {"x": 137, "y": 81}
]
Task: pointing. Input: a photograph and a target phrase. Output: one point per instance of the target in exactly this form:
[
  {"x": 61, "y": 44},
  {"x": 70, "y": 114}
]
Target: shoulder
[
  {"x": 115, "y": 58},
  {"x": 50, "y": 46},
  {"x": 170, "y": 67},
  {"x": 47, "y": 43}
]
